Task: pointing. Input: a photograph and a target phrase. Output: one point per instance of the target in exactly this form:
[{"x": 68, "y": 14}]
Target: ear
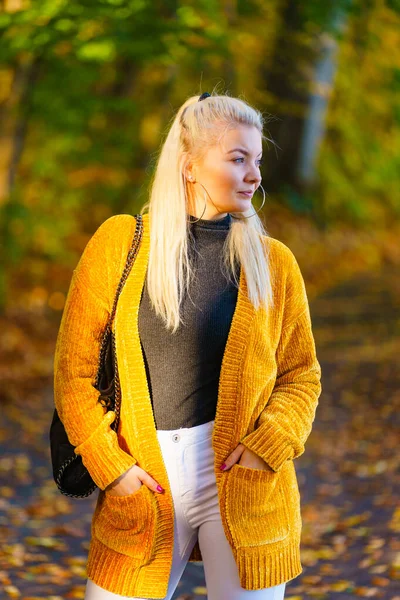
[
  {"x": 188, "y": 169},
  {"x": 189, "y": 173}
]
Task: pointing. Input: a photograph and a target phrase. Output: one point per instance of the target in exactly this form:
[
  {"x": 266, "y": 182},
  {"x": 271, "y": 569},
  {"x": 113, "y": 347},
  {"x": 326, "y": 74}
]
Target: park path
[{"x": 348, "y": 476}]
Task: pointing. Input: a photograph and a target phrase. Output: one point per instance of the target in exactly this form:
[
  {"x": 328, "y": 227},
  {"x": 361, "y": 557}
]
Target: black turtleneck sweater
[{"x": 183, "y": 368}]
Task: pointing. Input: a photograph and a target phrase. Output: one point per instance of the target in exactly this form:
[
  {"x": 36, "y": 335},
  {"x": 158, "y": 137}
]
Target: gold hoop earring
[
  {"x": 263, "y": 202},
  {"x": 205, "y": 206}
]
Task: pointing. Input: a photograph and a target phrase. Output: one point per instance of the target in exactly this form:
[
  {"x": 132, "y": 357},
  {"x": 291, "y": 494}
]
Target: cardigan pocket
[
  {"x": 127, "y": 524},
  {"x": 256, "y": 508}
]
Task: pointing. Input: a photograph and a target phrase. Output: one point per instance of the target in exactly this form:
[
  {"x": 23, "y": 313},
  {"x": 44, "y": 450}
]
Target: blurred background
[{"x": 87, "y": 92}]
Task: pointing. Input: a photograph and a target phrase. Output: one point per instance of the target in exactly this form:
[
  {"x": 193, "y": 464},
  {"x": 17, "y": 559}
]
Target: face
[{"x": 226, "y": 171}]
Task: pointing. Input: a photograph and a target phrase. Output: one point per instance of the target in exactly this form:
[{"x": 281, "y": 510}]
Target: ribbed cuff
[
  {"x": 102, "y": 455},
  {"x": 270, "y": 444}
]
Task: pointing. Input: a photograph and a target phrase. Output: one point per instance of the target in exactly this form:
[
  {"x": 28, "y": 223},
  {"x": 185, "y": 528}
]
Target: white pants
[{"x": 189, "y": 460}]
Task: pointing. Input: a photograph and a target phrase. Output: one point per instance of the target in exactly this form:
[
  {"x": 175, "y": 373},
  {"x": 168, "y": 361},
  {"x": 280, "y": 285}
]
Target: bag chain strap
[{"x": 128, "y": 266}]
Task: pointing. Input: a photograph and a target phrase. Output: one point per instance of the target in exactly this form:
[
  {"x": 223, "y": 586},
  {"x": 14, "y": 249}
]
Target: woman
[{"x": 218, "y": 373}]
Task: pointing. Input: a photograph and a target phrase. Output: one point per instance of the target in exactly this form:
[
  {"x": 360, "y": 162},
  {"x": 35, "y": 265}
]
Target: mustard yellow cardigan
[{"x": 268, "y": 393}]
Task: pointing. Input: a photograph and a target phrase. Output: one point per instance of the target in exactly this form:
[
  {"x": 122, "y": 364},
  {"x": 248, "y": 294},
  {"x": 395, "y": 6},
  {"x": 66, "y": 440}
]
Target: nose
[{"x": 253, "y": 176}]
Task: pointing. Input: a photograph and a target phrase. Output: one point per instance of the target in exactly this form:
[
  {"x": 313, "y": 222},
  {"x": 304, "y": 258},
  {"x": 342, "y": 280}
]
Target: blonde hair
[{"x": 196, "y": 127}]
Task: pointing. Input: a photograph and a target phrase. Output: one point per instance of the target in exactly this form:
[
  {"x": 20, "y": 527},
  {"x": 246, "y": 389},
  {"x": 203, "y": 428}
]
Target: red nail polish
[
  {"x": 222, "y": 467},
  {"x": 159, "y": 488}
]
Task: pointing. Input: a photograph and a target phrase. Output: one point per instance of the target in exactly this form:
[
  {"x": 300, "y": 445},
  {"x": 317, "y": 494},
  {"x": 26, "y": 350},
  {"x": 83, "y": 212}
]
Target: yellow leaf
[
  {"x": 342, "y": 586},
  {"x": 12, "y": 591}
]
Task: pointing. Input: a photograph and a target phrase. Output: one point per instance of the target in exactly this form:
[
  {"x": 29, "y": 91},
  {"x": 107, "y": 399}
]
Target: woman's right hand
[{"x": 131, "y": 481}]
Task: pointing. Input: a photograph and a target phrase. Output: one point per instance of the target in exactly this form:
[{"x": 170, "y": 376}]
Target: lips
[{"x": 247, "y": 194}]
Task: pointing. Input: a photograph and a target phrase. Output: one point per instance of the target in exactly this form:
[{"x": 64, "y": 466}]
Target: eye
[{"x": 260, "y": 160}]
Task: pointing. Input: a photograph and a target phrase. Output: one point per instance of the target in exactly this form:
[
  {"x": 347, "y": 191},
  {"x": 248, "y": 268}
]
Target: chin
[{"x": 243, "y": 206}]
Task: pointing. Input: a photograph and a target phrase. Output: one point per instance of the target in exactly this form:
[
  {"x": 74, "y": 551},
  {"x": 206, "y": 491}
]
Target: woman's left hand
[{"x": 245, "y": 457}]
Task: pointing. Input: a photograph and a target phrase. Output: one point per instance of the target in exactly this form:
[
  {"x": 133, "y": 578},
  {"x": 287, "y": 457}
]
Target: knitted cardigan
[{"x": 268, "y": 393}]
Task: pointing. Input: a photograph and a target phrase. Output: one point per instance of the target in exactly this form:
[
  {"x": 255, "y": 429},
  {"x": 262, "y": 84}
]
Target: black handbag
[{"x": 70, "y": 474}]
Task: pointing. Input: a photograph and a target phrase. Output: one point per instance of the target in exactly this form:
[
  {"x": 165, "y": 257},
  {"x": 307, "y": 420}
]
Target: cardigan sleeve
[
  {"x": 86, "y": 311},
  {"x": 286, "y": 421}
]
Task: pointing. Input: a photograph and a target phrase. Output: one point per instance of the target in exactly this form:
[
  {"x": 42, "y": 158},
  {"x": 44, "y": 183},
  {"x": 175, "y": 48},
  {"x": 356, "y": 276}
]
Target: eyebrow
[{"x": 241, "y": 150}]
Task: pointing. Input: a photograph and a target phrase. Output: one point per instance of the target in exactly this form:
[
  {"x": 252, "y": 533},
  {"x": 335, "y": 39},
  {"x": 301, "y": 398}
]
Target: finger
[
  {"x": 152, "y": 484},
  {"x": 233, "y": 457}
]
